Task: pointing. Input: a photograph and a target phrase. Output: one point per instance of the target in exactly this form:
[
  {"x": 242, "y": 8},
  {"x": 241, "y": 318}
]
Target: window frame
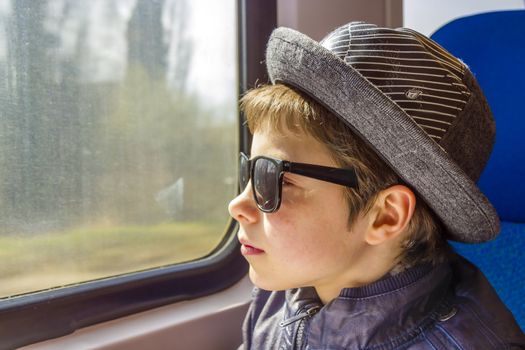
[{"x": 35, "y": 317}]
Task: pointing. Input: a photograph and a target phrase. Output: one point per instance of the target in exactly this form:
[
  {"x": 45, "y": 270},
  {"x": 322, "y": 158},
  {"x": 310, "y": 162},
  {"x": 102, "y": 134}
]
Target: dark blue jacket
[{"x": 451, "y": 306}]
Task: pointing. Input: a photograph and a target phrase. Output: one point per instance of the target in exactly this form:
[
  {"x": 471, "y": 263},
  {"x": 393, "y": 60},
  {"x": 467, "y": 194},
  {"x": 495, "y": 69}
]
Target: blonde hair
[{"x": 279, "y": 108}]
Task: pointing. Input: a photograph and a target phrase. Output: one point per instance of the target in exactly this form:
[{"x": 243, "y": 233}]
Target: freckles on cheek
[
  {"x": 297, "y": 234},
  {"x": 280, "y": 226},
  {"x": 295, "y": 198}
]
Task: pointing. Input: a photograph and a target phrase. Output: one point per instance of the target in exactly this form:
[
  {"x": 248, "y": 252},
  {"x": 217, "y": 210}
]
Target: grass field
[{"x": 32, "y": 263}]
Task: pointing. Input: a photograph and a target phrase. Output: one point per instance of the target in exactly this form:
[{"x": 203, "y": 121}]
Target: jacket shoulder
[{"x": 473, "y": 315}]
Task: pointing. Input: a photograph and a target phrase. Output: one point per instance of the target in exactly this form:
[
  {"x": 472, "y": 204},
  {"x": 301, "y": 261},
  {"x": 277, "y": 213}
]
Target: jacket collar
[{"x": 394, "y": 306}]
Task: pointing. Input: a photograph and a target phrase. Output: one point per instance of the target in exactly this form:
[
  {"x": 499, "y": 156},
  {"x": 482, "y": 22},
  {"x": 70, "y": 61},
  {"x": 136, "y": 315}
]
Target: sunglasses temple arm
[{"x": 344, "y": 177}]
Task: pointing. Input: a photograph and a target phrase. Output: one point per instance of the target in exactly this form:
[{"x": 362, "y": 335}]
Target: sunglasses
[{"x": 267, "y": 176}]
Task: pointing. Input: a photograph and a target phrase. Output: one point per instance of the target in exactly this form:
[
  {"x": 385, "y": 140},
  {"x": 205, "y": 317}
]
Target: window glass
[{"x": 118, "y": 136}]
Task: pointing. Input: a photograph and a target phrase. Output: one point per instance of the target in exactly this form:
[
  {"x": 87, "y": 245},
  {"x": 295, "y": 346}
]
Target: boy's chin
[{"x": 266, "y": 282}]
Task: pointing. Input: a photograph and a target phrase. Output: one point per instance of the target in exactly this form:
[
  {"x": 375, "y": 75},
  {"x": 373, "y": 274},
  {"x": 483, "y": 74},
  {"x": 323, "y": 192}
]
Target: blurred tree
[
  {"x": 156, "y": 137},
  {"x": 80, "y": 151}
]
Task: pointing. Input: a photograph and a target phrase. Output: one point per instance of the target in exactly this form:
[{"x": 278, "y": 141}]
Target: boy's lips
[{"x": 248, "y": 249}]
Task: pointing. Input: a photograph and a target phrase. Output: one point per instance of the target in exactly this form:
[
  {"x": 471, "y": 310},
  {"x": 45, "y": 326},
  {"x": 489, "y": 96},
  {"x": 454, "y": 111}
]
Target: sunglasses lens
[
  {"x": 244, "y": 171},
  {"x": 266, "y": 180}
]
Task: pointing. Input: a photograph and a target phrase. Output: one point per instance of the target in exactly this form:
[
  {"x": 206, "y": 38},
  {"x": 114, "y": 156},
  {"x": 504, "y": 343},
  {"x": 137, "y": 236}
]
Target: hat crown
[{"x": 421, "y": 77}]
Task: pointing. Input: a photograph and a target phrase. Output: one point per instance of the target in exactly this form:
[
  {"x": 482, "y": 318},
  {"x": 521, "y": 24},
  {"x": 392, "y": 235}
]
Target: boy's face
[{"x": 308, "y": 241}]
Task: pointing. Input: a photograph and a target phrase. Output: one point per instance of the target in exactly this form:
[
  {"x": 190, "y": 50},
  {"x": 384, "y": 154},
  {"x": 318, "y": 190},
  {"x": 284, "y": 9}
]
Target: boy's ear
[{"x": 391, "y": 214}]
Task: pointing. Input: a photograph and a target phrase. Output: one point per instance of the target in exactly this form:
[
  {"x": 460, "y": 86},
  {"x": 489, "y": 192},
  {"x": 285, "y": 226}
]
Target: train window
[{"x": 118, "y": 136}]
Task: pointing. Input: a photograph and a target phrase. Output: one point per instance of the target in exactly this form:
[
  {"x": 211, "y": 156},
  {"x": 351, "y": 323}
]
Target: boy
[{"x": 364, "y": 158}]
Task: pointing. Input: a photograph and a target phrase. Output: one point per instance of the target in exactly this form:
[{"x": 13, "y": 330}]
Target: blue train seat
[{"x": 493, "y": 46}]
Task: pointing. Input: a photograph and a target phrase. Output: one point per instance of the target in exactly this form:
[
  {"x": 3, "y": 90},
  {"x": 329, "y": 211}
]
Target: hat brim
[{"x": 295, "y": 59}]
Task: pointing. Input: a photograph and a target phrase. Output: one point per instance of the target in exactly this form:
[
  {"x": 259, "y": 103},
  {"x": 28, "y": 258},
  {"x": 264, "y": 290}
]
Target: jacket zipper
[
  {"x": 308, "y": 313},
  {"x": 299, "y": 335},
  {"x": 300, "y": 329}
]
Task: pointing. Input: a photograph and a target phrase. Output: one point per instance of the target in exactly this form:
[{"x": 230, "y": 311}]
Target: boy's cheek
[
  {"x": 297, "y": 198},
  {"x": 282, "y": 223},
  {"x": 279, "y": 220},
  {"x": 298, "y": 206},
  {"x": 289, "y": 198}
]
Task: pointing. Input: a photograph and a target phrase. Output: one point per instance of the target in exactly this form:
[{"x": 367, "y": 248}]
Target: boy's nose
[{"x": 243, "y": 208}]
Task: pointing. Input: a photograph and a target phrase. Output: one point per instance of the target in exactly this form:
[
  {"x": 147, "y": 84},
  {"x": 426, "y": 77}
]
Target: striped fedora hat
[{"x": 415, "y": 104}]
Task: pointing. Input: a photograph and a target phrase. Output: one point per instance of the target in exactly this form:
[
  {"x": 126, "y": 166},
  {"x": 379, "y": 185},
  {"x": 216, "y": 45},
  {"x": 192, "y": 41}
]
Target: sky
[
  {"x": 214, "y": 62},
  {"x": 99, "y": 28}
]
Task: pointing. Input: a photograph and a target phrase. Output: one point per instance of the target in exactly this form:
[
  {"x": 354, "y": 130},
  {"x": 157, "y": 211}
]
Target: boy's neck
[{"x": 374, "y": 273}]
